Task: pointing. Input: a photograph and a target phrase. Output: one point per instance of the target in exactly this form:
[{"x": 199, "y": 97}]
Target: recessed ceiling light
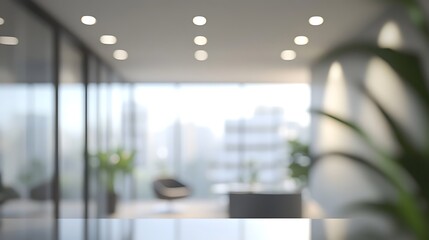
[
  {"x": 288, "y": 55},
  {"x": 200, "y": 40},
  {"x": 88, "y": 20},
  {"x": 1, "y": 21},
  {"x": 120, "y": 54},
  {"x": 201, "y": 55},
  {"x": 199, "y": 20},
  {"x": 316, "y": 20},
  {"x": 301, "y": 40},
  {"x": 6, "y": 40},
  {"x": 108, "y": 39}
]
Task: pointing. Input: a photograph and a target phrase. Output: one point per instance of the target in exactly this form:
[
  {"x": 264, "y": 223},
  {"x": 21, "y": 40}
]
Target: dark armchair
[
  {"x": 170, "y": 189},
  {"x": 6, "y": 193}
]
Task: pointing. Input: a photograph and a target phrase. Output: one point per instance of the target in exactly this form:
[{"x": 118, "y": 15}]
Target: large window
[{"x": 207, "y": 134}]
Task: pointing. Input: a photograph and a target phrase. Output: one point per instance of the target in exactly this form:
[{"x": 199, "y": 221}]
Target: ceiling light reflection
[
  {"x": 199, "y": 20},
  {"x": 88, "y": 20},
  {"x": 288, "y": 55},
  {"x": 108, "y": 39},
  {"x": 200, "y": 40},
  {"x": 120, "y": 54},
  {"x": 201, "y": 55},
  {"x": 1, "y": 21},
  {"x": 316, "y": 20},
  {"x": 7, "y": 40},
  {"x": 301, "y": 40}
]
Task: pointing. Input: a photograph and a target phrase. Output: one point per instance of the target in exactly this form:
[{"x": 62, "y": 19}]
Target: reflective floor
[{"x": 173, "y": 229}]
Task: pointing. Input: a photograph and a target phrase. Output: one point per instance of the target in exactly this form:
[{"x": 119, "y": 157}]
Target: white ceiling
[{"x": 245, "y": 37}]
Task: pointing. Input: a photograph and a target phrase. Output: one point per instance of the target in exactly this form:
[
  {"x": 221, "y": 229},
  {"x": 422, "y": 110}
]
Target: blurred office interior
[{"x": 159, "y": 119}]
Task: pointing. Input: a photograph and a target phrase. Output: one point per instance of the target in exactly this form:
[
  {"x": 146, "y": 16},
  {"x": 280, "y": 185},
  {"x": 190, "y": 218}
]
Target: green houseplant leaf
[
  {"x": 113, "y": 162},
  {"x": 403, "y": 220},
  {"x": 300, "y": 160},
  {"x": 386, "y": 208},
  {"x": 407, "y": 207},
  {"x": 419, "y": 164}
]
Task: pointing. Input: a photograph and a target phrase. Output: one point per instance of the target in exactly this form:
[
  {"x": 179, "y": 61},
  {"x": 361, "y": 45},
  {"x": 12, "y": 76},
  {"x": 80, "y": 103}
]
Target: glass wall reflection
[
  {"x": 26, "y": 123},
  {"x": 197, "y": 229},
  {"x": 71, "y": 130},
  {"x": 93, "y": 144},
  {"x": 71, "y": 134}
]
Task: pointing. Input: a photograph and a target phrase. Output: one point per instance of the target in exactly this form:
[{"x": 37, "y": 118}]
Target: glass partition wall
[
  {"x": 26, "y": 123},
  {"x": 71, "y": 120},
  {"x": 56, "y": 114}
]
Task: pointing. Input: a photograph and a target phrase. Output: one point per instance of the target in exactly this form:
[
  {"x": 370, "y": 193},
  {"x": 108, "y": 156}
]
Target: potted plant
[
  {"x": 253, "y": 172},
  {"x": 299, "y": 162},
  {"x": 110, "y": 164},
  {"x": 409, "y": 164}
]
